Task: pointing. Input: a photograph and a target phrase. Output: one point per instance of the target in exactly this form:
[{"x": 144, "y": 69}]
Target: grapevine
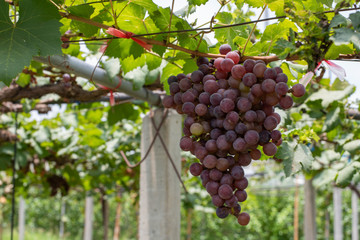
[{"x": 230, "y": 117}]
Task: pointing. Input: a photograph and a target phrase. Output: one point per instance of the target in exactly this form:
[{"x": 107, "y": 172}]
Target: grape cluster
[{"x": 230, "y": 116}]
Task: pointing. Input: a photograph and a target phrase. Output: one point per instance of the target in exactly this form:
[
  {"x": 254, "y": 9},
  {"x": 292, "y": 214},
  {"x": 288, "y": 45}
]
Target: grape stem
[{"x": 252, "y": 30}]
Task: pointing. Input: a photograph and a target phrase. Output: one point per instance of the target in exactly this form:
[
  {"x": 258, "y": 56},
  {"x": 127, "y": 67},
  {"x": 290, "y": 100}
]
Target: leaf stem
[
  {"x": 253, "y": 29},
  {"x": 114, "y": 14},
  {"x": 171, "y": 14}
]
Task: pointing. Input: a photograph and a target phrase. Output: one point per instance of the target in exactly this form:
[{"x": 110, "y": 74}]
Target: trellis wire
[{"x": 209, "y": 28}]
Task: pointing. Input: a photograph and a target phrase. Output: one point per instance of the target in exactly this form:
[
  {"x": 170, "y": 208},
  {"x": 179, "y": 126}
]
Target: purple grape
[
  {"x": 268, "y": 86},
  {"x": 215, "y": 174},
  {"x": 259, "y": 69},
  {"x": 210, "y": 145},
  {"x": 270, "y": 73},
  {"x": 227, "y": 105},
  {"x": 202, "y": 60},
  {"x": 208, "y": 77},
  {"x": 271, "y": 99},
  {"x": 240, "y": 128},
  {"x": 244, "y": 219},
  {"x": 234, "y": 56},
  {"x": 275, "y": 135},
  {"x": 196, "y": 169},
  {"x": 298, "y": 90},
  {"x": 211, "y": 86},
  {"x": 250, "y": 116},
  {"x": 281, "y": 88},
  {"x": 185, "y": 84},
  {"x": 168, "y": 101},
  {"x": 188, "y": 96},
  {"x": 186, "y": 143},
  {"x": 222, "y": 144},
  {"x": 238, "y": 71},
  {"x": 255, "y": 154},
  {"x": 218, "y": 113},
  {"x": 243, "y": 104},
  {"x": 227, "y": 64},
  {"x": 249, "y": 79},
  {"x": 232, "y": 117},
  {"x": 264, "y": 137},
  {"x": 224, "y": 49},
  {"x": 174, "y": 88},
  {"x": 244, "y": 159},
  {"x": 241, "y": 195},
  {"x": 204, "y": 176},
  {"x": 215, "y": 133},
  {"x": 188, "y": 108},
  {"x": 215, "y": 99},
  {"x": 270, "y": 123},
  {"x": 261, "y": 115},
  {"x": 256, "y": 90},
  {"x": 237, "y": 172},
  {"x": 180, "y": 76},
  {"x": 270, "y": 149},
  {"x": 212, "y": 187},
  {"x": 222, "y": 212},
  {"x": 210, "y": 161},
  {"x": 227, "y": 179},
  {"x": 230, "y": 136},
  {"x": 204, "y": 98},
  {"x": 200, "y": 152},
  {"x": 197, "y": 76},
  {"x": 201, "y": 109},
  {"x": 239, "y": 145},
  {"x": 223, "y": 84},
  {"x": 222, "y": 164},
  {"x": 251, "y": 137},
  {"x": 281, "y": 77},
  {"x": 278, "y": 70},
  {"x": 241, "y": 184},
  {"x": 217, "y": 200},
  {"x": 233, "y": 94},
  {"x": 199, "y": 87},
  {"x": 249, "y": 65},
  {"x": 231, "y": 202},
  {"x": 225, "y": 191}
]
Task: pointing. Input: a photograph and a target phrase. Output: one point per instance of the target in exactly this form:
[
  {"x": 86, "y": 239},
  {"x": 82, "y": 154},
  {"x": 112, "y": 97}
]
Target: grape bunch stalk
[{"x": 230, "y": 117}]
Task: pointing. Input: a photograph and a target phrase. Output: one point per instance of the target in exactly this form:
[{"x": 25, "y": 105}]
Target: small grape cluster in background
[{"x": 230, "y": 116}]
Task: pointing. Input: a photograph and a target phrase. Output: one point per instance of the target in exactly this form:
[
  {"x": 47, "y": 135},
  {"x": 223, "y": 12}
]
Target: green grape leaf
[
  {"x": 346, "y": 174},
  {"x": 197, "y": 2},
  {"x": 355, "y": 19},
  {"x": 327, "y": 2},
  {"x": 277, "y": 6},
  {"x": 147, "y": 4},
  {"x": 130, "y": 63},
  {"x": 122, "y": 111},
  {"x": 346, "y": 36},
  {"x": 335, "y": 50},
  {"x": 278, "y": 30},
  {"x": 123, "y": 48},
  {"x": 152, "y": 61},
  {"x": 283, "y": 48},
  {"x": 84, "y": 11},
  {"x": 286, "y": 153},
  {"x": 338, "y": 20},
  {"x": 327, "y": 97},
  {"x": 303, "y": 158},
  {"x": 23, "y": 79},
  {"x": 35, "y": 33},
  {"x": 352, "y": 146},
  {"x": 332, "y": 119},
  {"x": 112, "y": 67},
  {"x": 189, "y": 66}
]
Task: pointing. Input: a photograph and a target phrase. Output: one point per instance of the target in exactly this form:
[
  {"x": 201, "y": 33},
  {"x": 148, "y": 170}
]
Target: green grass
[{"x": 32, "y": 234}]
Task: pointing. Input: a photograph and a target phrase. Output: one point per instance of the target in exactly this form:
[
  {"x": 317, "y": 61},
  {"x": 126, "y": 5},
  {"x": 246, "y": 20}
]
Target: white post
[
  {"x": 338, "y": 230},
  {"x": 310, "y": 211},
  {"x": 355, "y": 216},
  {"x": 159, "y": 185},
  {"x": 62, "y": 214},
  {"x": 89, "y": 206},
  {"x": 22, "y": 208}
]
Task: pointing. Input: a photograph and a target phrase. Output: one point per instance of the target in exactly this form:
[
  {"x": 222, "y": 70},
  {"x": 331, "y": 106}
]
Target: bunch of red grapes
[{"x": 230, "y": 116}]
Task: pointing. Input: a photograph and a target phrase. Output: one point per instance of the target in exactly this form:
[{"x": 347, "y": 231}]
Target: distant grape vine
[{"x": 230, "y": 117}]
